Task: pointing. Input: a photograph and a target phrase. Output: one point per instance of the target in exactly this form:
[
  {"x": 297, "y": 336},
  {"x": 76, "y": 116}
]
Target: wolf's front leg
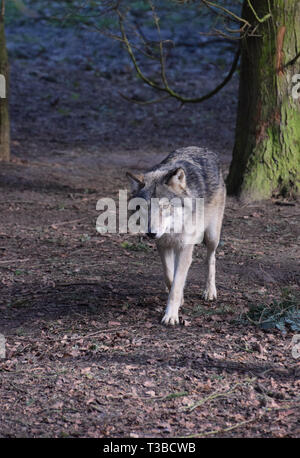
[
  {"x": 168, "y": 259},
  {"x": 183, "y": 259}
]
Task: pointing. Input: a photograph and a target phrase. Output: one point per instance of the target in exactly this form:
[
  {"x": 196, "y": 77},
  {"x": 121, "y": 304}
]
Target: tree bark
[
  {"x": 266, "y": 155},
  {"x": 4, "y": 113}
]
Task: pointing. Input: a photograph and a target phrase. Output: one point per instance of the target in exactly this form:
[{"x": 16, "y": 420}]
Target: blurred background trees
[
  {"x": 4, "y": 115},
  {"x": 265, "y": 33}
]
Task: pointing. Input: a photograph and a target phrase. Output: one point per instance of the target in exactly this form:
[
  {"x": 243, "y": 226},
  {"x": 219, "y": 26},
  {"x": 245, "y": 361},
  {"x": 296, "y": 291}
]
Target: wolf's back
[{"x": 202, "y": 169}]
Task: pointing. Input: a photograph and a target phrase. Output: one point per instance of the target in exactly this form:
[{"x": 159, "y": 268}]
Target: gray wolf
[{"x": 187, "y": 172}]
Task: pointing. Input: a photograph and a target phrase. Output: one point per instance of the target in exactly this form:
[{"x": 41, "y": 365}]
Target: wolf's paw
[
  {"x": 210, "y": 294},
  {"x": 170, "y": 318}
]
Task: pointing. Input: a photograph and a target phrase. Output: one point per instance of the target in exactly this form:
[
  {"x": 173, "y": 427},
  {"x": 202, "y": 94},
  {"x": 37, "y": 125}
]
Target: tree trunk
[
  {"x": 266, "y": 155},
  {"x": 4, "y": 114}
]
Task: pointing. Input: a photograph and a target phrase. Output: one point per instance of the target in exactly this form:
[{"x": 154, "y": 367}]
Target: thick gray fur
[{"x": 187, "y": 172}]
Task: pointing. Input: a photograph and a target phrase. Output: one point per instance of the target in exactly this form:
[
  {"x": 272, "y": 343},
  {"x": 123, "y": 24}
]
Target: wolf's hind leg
[
  {"x": 210, "y": 292},
  {"x": 212, "y": 238}
]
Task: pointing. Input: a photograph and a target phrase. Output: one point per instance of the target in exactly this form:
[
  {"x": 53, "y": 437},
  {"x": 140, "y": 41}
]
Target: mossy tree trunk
[
  {"x": 4, "y": 113},
  {"x": 266, "y": 156}
]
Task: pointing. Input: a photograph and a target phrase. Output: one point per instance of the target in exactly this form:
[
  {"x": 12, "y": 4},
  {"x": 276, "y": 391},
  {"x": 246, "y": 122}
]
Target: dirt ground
[{"x": 86, "y": 355}]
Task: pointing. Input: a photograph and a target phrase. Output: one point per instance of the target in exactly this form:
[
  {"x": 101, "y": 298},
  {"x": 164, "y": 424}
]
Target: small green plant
[
  {"x": 140, "y": 246},
  {"x": 19, "y": 272},
  {"x": 202, "y": 310},
  {"x": 85, "y": 238},
  {"x": 64, "y": 111},
  {"x": 283, "y": 314},
  {"x": 75, "y": 96},
  {"x": 175, "y": 395}
]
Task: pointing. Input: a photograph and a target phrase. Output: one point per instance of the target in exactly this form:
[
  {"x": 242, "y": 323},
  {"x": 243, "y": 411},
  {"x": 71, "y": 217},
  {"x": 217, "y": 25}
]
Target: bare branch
[
  {"x": 132, "y": 56},
  {"x": 166, "y": 88}
]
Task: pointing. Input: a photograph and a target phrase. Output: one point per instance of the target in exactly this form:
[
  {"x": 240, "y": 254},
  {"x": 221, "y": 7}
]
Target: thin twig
[
  {"x": 93, "y": 334},
  {"x": 267, "y": 16},
  {"x": 218, "y": 394},
  {"x": 67, "y": 222},
  {"x": 222, "y": 430},
  {"x": 228, "y": 12},
  {"x": 14, "y": 260}
]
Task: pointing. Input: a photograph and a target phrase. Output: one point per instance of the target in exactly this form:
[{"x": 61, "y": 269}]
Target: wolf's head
[{"x": 163, "y": 193}]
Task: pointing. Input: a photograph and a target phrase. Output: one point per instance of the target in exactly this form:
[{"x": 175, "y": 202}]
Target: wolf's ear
[
  {"x": 136, "y": 181},
  {"x": 177, "y": 180}
]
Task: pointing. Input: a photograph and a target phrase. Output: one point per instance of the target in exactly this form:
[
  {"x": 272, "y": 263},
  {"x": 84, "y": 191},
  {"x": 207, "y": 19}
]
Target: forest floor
[{"x": 86, "y": 355}]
